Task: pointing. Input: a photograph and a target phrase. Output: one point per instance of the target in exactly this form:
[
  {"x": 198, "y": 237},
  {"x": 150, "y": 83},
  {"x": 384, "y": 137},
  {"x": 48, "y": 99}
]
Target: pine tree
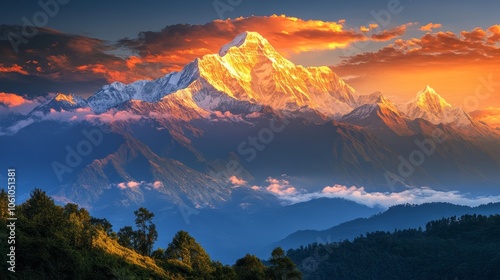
[
  {"x": 185, "y": 249},
  {"x": 282, "y": 267},
  {"x": 146, "y": 234}
]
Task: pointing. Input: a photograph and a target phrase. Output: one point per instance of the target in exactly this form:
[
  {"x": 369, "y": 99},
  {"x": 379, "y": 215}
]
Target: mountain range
[
  {"x": 248, "y": 113},
  {"x": 223, "y": 146},
  {"x": 397, "y": 217}
]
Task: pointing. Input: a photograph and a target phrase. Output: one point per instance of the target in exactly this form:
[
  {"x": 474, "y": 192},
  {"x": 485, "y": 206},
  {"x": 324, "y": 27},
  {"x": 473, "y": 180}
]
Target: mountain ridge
[
  {"x": 396, "y": 217},
  {"x": 223, "y": 109},
  {"x": 249, "y": 70}
]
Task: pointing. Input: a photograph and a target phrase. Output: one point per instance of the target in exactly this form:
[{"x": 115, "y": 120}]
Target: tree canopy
[
  {"x": 451, "y": 248},
  {"x": 65, "y": 242}
]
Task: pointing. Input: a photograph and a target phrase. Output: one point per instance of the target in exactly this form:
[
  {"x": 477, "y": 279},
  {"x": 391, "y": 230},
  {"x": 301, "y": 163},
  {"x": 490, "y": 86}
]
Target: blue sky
[{"x": 112, "y": 20}]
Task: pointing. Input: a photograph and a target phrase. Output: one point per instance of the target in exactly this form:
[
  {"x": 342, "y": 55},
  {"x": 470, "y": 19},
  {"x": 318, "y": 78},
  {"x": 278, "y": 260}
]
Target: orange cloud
[
  {"x": 176, "y": 45},
  {"x": 50, "y": 63},
  {"x": 460, "y": 67},
  {"x": 13, "y": 69},
  {"x": 111, "y": 75},
  {"x": 370, "y": 27},
  {"x": 430, "y": 26},
  {"x": 294, "y": 34},
  {"x": 57, "y": 60},
  {"x": 85, "y": 45},
  {"x": 62, "y": 58},
  {"x": 476, "y": 35},
  {"x": 494, "y": 32},
  {"x": 490, "y": 116},
  {"x": 391, "y": 33},
  {"x": 12, "y": 100}
]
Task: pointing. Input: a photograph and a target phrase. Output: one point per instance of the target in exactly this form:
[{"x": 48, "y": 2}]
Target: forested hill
[
  {"x": 452, "y": 248},
  {"x": 65, "y": 242},
  {"x": 401, "y": 216},
  {"x": 55, "y": 242}
]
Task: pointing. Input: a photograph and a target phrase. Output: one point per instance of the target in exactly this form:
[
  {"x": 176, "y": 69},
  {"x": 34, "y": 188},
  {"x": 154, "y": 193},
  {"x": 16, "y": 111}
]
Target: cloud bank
[
  {"x": 289, "y": 194},
  {"x": 280, "y": 187}
]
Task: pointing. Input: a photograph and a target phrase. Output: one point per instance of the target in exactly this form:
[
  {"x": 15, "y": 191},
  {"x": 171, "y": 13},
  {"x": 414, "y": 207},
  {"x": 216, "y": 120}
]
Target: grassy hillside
[{"x": 56, "y": 242}]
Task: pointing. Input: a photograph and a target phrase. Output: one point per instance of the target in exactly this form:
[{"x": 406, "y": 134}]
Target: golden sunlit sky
[{"x": 395, "y": 47}]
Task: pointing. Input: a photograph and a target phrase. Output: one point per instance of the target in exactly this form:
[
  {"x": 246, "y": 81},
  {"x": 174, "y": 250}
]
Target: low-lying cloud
[
  {"x": 237, "y": 182},
  {"x": 412, "y": 196},
  {"x": 15, "y": 103},
  {"x": 133, "y": 185},
  {"x": 280, "y": 187},
  {"x": 289, "y": 194}
]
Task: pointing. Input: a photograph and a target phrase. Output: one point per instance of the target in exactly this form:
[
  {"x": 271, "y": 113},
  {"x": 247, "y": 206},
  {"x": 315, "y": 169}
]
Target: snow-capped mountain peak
[
  {"x": 68, "y": 100},
  {"x": 65, "y": 98},
  {"x": 117, "y": 93},
  {"x": 429, "y": 100},
  {"x": 429, "y": 105},
  {"x": 378, "y": 113},
  {"x": 376, "y": 99},
  {"x": 60, "y": 102},
  {"x": 372, "y": 104},
  {"x": 247, "y": 40},
  {"x": 382, "y": 100},
  {"x": 249, "y": 70}
]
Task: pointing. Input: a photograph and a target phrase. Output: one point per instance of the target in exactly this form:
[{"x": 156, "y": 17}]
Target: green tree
[
  {"x": 45, "y": 240},
  {"x": 103, "y": 224},
  {"x": 185, "y": 249},
  {"x": 146, "y": 234},
  {"x": 126, "y": 237},
  {"x": 282, "y": 267},
  {"x": 4, "y": 246},
  {"x": 43, "y": 214},
  {"x": 4, "y": 202},
  {"x": 79, "y": 230},
  {"x": 52, "y": 242},
  {"x": 250, "y": 268},
  {"x": 222, "y": 272},
  {"x": 158, "y": 254}
]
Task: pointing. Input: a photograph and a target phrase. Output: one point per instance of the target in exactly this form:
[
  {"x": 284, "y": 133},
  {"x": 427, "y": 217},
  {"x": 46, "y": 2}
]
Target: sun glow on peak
[
  {"x": 67, "y": 98},
  {"x": 428, "y": 97}
]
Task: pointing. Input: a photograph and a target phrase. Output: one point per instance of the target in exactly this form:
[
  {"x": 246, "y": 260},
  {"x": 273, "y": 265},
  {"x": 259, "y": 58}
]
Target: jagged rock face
[
  {"x": 151, "y": 91},
  {"x": 247, "y": 69}
]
